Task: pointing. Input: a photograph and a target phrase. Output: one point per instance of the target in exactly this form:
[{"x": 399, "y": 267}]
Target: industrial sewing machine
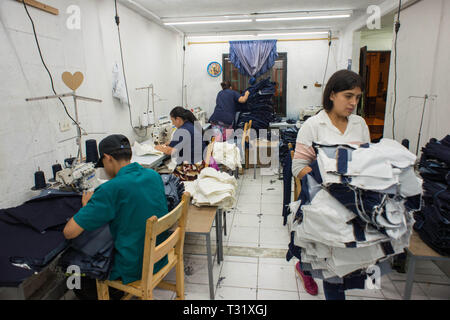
[
  {"x": 162, "y": 131},
  {"x": 200, "y": 115},
  {"x": 82, "y": 177}
]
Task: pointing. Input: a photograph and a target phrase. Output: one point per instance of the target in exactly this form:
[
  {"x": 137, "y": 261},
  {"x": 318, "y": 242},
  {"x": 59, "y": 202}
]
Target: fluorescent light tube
[
  {"x": 288, "y": 34},
  {"x": 304, "y": 18},
  {"x": 206, "y": 22}
]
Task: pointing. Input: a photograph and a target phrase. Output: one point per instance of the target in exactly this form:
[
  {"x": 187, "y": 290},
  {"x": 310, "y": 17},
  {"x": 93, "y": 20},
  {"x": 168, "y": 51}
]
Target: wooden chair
[
  {"x": 209, "y": 151},
  {"x": 172, "y": 247},
  {"x": 297, "y": 183}
]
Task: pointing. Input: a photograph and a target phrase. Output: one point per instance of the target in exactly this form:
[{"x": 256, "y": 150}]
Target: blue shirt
[
  {"x": 126, "y": 202},
  {"x": 226, "y": 104},
  {"x": 189, "y": 144}
]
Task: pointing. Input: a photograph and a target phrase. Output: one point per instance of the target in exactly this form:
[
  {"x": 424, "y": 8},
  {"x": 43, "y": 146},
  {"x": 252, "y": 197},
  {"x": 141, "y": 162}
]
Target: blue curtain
[{"x": 253, "y": 58}]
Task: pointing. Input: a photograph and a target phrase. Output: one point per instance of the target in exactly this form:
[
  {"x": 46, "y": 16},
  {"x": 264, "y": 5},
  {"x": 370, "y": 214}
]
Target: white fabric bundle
[
  {"x": 227, "y": 154},
  {"x": 143, "y": 149},
  {"x": 212, "y": 188}
]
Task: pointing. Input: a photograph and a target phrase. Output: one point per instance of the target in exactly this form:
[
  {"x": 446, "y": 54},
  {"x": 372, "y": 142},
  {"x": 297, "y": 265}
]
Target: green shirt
[{"x": 126, "y": 202}]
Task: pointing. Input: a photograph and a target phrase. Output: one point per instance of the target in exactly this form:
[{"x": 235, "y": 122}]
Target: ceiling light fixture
[
  {"x": 206, "y": 22},
  {"x": 290, "y": 33},
  {"x": 339, "y": 16}
]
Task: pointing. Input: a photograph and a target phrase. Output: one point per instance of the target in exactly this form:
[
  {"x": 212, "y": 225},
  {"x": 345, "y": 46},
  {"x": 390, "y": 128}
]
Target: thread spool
[
  {"x": 39, "y": 181},
  {"x": 55, "y": 168},
  {"x": 68, "y": 162},
  {"x": 405, "y": 143},
  {"x": 91, "y": 151}
]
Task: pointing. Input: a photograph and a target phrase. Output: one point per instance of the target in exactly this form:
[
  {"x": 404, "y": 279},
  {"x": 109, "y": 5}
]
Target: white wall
[
  {"x": 377, "y": 40},
  {"x": 29, "y": 131},
  {"x": 423, "y": 68},
  {"x": 305, "y": 65}
]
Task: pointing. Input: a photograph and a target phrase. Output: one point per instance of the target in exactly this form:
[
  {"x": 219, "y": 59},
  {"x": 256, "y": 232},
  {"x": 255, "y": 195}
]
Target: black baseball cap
[{"x": 114, "y": 142}]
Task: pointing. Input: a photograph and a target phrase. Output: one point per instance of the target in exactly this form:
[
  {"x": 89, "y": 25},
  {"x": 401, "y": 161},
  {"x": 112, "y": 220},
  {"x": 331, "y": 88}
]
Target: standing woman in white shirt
[{"x": 336, "y": 124}]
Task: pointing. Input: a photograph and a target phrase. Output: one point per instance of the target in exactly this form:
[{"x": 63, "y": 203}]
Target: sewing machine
[
  {"x": 80, "y": 178},
  {"x": 162, "y": 131},
  {"x": 200, "y": 115}
]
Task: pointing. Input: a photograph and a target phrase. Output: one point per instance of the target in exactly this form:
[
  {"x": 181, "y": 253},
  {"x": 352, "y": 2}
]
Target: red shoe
[{"x": 308, "y": 282}]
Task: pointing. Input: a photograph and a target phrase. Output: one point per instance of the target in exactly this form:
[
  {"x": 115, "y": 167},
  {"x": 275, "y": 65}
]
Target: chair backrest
[
  {"x": 291, "y": 150},
  {"x": 209, "y": 151},
  {"x": 175, "y": 241}
]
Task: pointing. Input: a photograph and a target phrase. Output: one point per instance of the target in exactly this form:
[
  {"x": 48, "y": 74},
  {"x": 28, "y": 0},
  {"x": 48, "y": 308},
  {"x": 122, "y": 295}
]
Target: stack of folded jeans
[
  {"x": 259, "y": 106},
  {"x": 355, "y": 209},
  {"x": 433, "y": 222},
  {"x": 287, "y": 136}
]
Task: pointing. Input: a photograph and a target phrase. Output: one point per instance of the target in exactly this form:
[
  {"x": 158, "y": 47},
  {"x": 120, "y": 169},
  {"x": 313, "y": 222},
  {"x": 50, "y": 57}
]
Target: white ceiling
[{"x": 185, "y": 9}]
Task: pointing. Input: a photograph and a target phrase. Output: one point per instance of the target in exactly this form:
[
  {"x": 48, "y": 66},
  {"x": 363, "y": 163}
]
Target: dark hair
[
  {"x": 122, "y": 154},
  {"x": 226, "y": 85},
  {"x": 341, "y": 81},
  {"x": 183, "y": 113}
]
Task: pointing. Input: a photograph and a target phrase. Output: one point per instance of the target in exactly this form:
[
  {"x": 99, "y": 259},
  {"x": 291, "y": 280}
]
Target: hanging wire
[
  {"x": 46, "y": 68},
  {"x": 397, "y": 28},
  {"x": 117, "y": 19}
]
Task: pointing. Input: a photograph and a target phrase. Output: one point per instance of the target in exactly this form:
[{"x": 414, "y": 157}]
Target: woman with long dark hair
[
  {"x": 335, "y": 124},
  {"x": 187, "y": 145}
]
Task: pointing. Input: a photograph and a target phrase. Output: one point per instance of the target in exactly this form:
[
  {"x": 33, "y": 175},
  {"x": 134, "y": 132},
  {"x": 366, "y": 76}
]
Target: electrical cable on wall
[
  {"x": 397, "y": 28},
  {"x": 117, "y": 20},
  {"x": 328, "y": 59},
  {"x": 48, "y": 71}
]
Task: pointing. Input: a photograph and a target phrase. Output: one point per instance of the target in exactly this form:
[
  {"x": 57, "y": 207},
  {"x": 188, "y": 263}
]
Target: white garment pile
[
  {"x": 143, "y": 149},
  {"x": 227, "y": 154},
  {"x": 325, "y": 230},
  {"x": 212, "y": 188}
]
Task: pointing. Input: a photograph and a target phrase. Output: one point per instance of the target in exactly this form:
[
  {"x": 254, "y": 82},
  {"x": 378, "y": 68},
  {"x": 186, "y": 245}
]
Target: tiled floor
[{"x": 255, "y": 267}]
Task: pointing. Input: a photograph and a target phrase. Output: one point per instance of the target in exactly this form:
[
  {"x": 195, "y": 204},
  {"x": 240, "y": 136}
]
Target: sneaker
[{"x": 308, "y": 282}]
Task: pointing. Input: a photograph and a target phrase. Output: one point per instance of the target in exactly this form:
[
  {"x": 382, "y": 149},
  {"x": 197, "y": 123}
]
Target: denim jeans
[{"x": 334, "y": 291}]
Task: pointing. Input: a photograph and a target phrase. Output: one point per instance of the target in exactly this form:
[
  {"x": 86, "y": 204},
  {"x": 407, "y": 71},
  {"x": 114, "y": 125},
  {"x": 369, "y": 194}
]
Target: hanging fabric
[{"x": 253, "y": 58}]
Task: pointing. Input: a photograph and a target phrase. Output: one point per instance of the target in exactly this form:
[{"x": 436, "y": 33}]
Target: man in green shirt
[{"x": 125, "y": 202}]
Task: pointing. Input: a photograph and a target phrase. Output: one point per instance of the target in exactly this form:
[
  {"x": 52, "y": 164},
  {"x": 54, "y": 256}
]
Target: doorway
[{"x": 374, "y": 69}]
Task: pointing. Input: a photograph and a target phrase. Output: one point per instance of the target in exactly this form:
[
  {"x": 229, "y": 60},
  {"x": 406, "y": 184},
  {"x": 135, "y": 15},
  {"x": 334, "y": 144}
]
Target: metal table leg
[
  {"x": 224, "y": 222},
  {"x": 219, "y": 238},
  {"x": 210, "y": 266},
  {"x": 410, "y": 277}
]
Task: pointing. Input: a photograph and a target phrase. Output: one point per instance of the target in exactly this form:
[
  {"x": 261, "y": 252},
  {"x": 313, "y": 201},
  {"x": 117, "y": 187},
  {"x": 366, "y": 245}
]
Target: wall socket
[{"x": 64, "y": 126}]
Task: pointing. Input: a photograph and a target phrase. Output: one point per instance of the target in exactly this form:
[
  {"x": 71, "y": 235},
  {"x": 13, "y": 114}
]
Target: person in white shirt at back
[{"x": 335, "y": 124}]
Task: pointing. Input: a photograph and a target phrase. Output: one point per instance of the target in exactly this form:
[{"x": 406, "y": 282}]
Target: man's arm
[
  {"x": 72, "y": 229},
  {"x": 244, "y": 98}
]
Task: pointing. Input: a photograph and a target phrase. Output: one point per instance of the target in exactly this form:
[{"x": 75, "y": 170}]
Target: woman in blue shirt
[
  {"x": 226, "y": 106},
  {"x": 187, "y": 144}
]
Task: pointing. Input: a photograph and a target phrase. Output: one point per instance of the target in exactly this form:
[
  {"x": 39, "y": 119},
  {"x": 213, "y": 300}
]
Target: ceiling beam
[{"x": 41, "y": 6}]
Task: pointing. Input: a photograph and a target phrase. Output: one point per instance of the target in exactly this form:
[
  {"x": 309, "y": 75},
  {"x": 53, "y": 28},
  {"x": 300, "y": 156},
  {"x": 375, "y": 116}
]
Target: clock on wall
[{"x": 214, "y": 69}]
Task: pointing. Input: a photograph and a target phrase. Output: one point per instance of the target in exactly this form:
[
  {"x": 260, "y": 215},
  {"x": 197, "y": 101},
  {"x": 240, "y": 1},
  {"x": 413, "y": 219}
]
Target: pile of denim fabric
[
  {"x": 259, "y": 106},
  {"x": 355, "y": 209},
  {"x": 31, "y": 234},
  {"x": 433, "y": 222},
  {"x": 173, "y": 189}
]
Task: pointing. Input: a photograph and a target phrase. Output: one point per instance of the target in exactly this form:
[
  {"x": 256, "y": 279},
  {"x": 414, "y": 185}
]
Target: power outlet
[{"x": 64, "y": 126}]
